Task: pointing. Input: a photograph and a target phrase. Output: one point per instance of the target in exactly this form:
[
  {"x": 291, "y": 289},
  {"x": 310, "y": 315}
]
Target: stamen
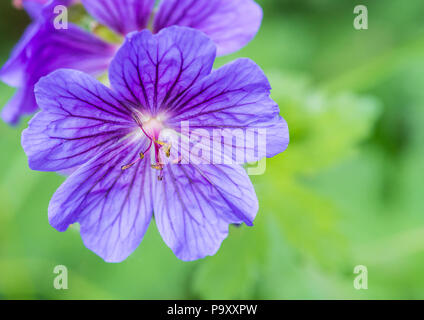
[
  {"x": 160, "y": 176},
  {"x": 123, "y": 168},
  {"x": 160, "y": 142},
  {"x": 157, "y": 144},
  {"x": 126, "y": 167},
  {"x": 166, "y": 146},
  {"x": 168, "y": 150}
]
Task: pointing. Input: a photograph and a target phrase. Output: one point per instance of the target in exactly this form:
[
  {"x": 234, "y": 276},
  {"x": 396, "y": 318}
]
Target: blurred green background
[{"x": 347, "y": 192}]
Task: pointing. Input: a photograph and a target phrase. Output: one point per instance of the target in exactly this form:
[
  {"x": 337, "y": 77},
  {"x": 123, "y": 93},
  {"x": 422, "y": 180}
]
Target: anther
[
  {"x": 156, "y": 167},
  {"x": 168, "y": 150},
  {"x": 123, "y": 168},
  {"x": 166, "y": 146},
  {"x": 126, "y": 167},
  {"x": 160, "y": 142}
]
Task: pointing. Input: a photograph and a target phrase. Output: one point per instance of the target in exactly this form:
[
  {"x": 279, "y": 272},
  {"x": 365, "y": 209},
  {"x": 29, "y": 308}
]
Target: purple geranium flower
[
  {"x": 43, "y": 49},
  {"x": 121, "y": 140}
]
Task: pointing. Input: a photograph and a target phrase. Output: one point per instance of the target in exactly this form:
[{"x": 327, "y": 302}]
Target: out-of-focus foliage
[{"x": 347, "y": 192}]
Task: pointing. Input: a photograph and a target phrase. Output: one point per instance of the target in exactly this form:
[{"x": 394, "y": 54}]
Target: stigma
[{"x": 151, "y": 128}]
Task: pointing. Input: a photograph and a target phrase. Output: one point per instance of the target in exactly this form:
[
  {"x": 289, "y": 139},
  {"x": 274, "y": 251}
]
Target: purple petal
[
  {"x": 153, "y": 70},
  {"x": 230, "y": 24},
  {"x": 194, "y": 206},
  {"x": 22, "y": 102},
  {"x": 123, "y": 16},
  {"x": 234, "y": 99},
  {"x": 33, "y": 7},
  {"x": 44, "y": 49},
  {"x": 13, "y": 72},
  {"x": 79, "y": 118},
  {"x": 112, "y": 206}
]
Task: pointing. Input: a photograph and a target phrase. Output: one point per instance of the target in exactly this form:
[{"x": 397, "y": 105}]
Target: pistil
[{"x": 158, "y": 145}]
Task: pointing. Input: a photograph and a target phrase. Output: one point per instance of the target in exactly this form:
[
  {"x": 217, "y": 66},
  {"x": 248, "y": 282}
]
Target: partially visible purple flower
[
  {"x": 231, "y": 24},
  {"x": 43, "y": 49},
  {"x": 119, "y": 138},
  {"x": 33, "y": 7}
]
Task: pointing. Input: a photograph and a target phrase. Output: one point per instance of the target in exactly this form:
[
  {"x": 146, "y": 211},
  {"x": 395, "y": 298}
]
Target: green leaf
[
  {"x": 308, "y": 221},
  {"x": 324, "y": 128},
  {"x": 233, "y": 273}
]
